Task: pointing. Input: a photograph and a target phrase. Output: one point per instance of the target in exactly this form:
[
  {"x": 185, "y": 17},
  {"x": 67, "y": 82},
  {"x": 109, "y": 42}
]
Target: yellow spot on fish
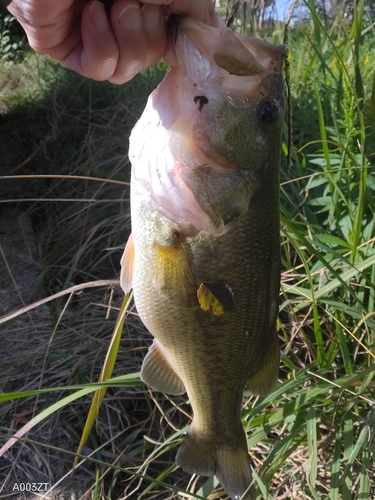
[
  {"x": 278, "y": 324},
  {"x": 215, "y": 297}
]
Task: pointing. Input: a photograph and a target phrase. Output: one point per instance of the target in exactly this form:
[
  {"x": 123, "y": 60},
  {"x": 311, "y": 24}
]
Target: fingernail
[
  {"x": 130, "y": 17},
  {"x": 98, "y": 16},
  {"x": 152, "y": 17}
]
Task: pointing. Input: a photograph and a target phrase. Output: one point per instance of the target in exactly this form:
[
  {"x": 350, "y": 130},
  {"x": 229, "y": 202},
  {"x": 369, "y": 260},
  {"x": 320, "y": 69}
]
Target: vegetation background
[{"x": 64, "y": 219}]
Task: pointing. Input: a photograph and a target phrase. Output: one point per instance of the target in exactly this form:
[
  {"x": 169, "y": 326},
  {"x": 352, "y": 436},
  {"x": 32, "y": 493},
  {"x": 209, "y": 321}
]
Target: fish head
[
  {"x": 237, "y": 85},
  {"x": 211, "y": 132}
]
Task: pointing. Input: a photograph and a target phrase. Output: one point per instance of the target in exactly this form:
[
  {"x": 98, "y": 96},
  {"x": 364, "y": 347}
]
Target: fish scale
[{"x": 204, "y": 256}]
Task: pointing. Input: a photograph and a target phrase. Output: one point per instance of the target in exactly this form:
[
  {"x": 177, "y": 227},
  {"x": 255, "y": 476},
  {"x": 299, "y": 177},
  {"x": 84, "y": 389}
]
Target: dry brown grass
[{"x": 72, "y": 232}]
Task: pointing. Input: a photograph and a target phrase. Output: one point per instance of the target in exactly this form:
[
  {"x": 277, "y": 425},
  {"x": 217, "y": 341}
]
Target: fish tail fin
[
  {"x": 234, "y": 473},
  {"x": 230, "y": 464}
]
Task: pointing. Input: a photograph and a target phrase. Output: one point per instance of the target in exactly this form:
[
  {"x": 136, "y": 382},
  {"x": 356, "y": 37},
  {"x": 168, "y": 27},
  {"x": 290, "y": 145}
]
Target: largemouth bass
[{"x": 204, "y": 255}]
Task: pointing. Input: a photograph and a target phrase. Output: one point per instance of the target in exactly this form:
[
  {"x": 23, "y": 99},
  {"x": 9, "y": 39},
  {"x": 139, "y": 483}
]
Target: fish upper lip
[{"x": 253, "y": 56}]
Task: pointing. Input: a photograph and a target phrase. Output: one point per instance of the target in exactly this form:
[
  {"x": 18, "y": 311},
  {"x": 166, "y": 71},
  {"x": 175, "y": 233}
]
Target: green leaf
[{"x": 331, "y": 240}]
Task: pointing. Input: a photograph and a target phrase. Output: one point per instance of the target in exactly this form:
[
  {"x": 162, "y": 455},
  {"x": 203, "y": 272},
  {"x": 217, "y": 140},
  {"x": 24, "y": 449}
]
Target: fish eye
[{"x": 269, "y": 113}]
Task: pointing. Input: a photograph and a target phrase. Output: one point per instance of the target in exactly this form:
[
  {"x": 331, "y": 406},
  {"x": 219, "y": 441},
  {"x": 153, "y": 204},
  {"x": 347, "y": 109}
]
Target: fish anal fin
[
  {"x": 127, "y": 266},
  {"x": 229, "y": 463},
  {"x": 197, "y": 456},
  {"x": 173, "y": 277},
  {"x": 265, "y": 380},
  {"x": 157, "y": 372}
]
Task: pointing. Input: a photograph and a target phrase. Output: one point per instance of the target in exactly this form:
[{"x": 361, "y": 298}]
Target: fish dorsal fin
[
  {"x": 265, "y": 379},
  {"x": 127, "y": 266},
  {"x": 157, "y": 372}
]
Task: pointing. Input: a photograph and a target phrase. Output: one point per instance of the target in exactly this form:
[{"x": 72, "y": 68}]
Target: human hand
[{"x": 112, "y": 47}]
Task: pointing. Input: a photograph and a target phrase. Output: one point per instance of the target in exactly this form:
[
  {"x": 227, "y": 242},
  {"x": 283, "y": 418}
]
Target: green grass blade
[
  {"x": 208, "y": 487},
  {"x": 312, "y": 467},
  {"x": 357, "y": 448},
  {"x": 360, "y": 208},
  {"x": 323, "y": 133},
  {"x": 364, "y": 484},
  {"x": 342, "y": 278},
  {"x": 318, "y": 337},
  {"x": 161, "y": 477},
  {"x": 335, "y": 470},
  {"x": 43, "y": 415},
  {"x": 372, "y": 97},
  {"x": 348, "y": 449},
  {"x": 357, "y": 37},
  {"x": 262, "y": 486},
  {"x": 128, "y": 380},
  {"x": 342, "y": 339},
  {"x": 106, "y": 373}
]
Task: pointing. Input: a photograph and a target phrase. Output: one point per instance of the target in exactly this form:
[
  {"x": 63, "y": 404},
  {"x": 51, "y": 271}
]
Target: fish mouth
[
  {"x": 237, "y": 54},
  {"x": 223, "y": 58},
  {"x": 247, "y": 56}
]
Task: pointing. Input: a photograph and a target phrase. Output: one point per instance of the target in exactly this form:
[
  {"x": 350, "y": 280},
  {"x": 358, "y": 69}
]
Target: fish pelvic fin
[
  {"x": 127, "y": 266},
  {"x": 229, "y": 463},
  {"x": 265, "y": 379},
  {"x": 173, "y": 277},
  {"x": 158, "y": 373}
]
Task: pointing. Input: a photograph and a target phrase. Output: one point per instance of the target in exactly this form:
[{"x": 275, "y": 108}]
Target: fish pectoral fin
[
  {"x": 127, "y": 266},
  {"x": 230, "y": 464},
  {"x": 216, "y": 297},
  {"x": 157, "y": 372},
  {"x": 173, "y": 277},
  {"x": 265, "y": 379}
]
